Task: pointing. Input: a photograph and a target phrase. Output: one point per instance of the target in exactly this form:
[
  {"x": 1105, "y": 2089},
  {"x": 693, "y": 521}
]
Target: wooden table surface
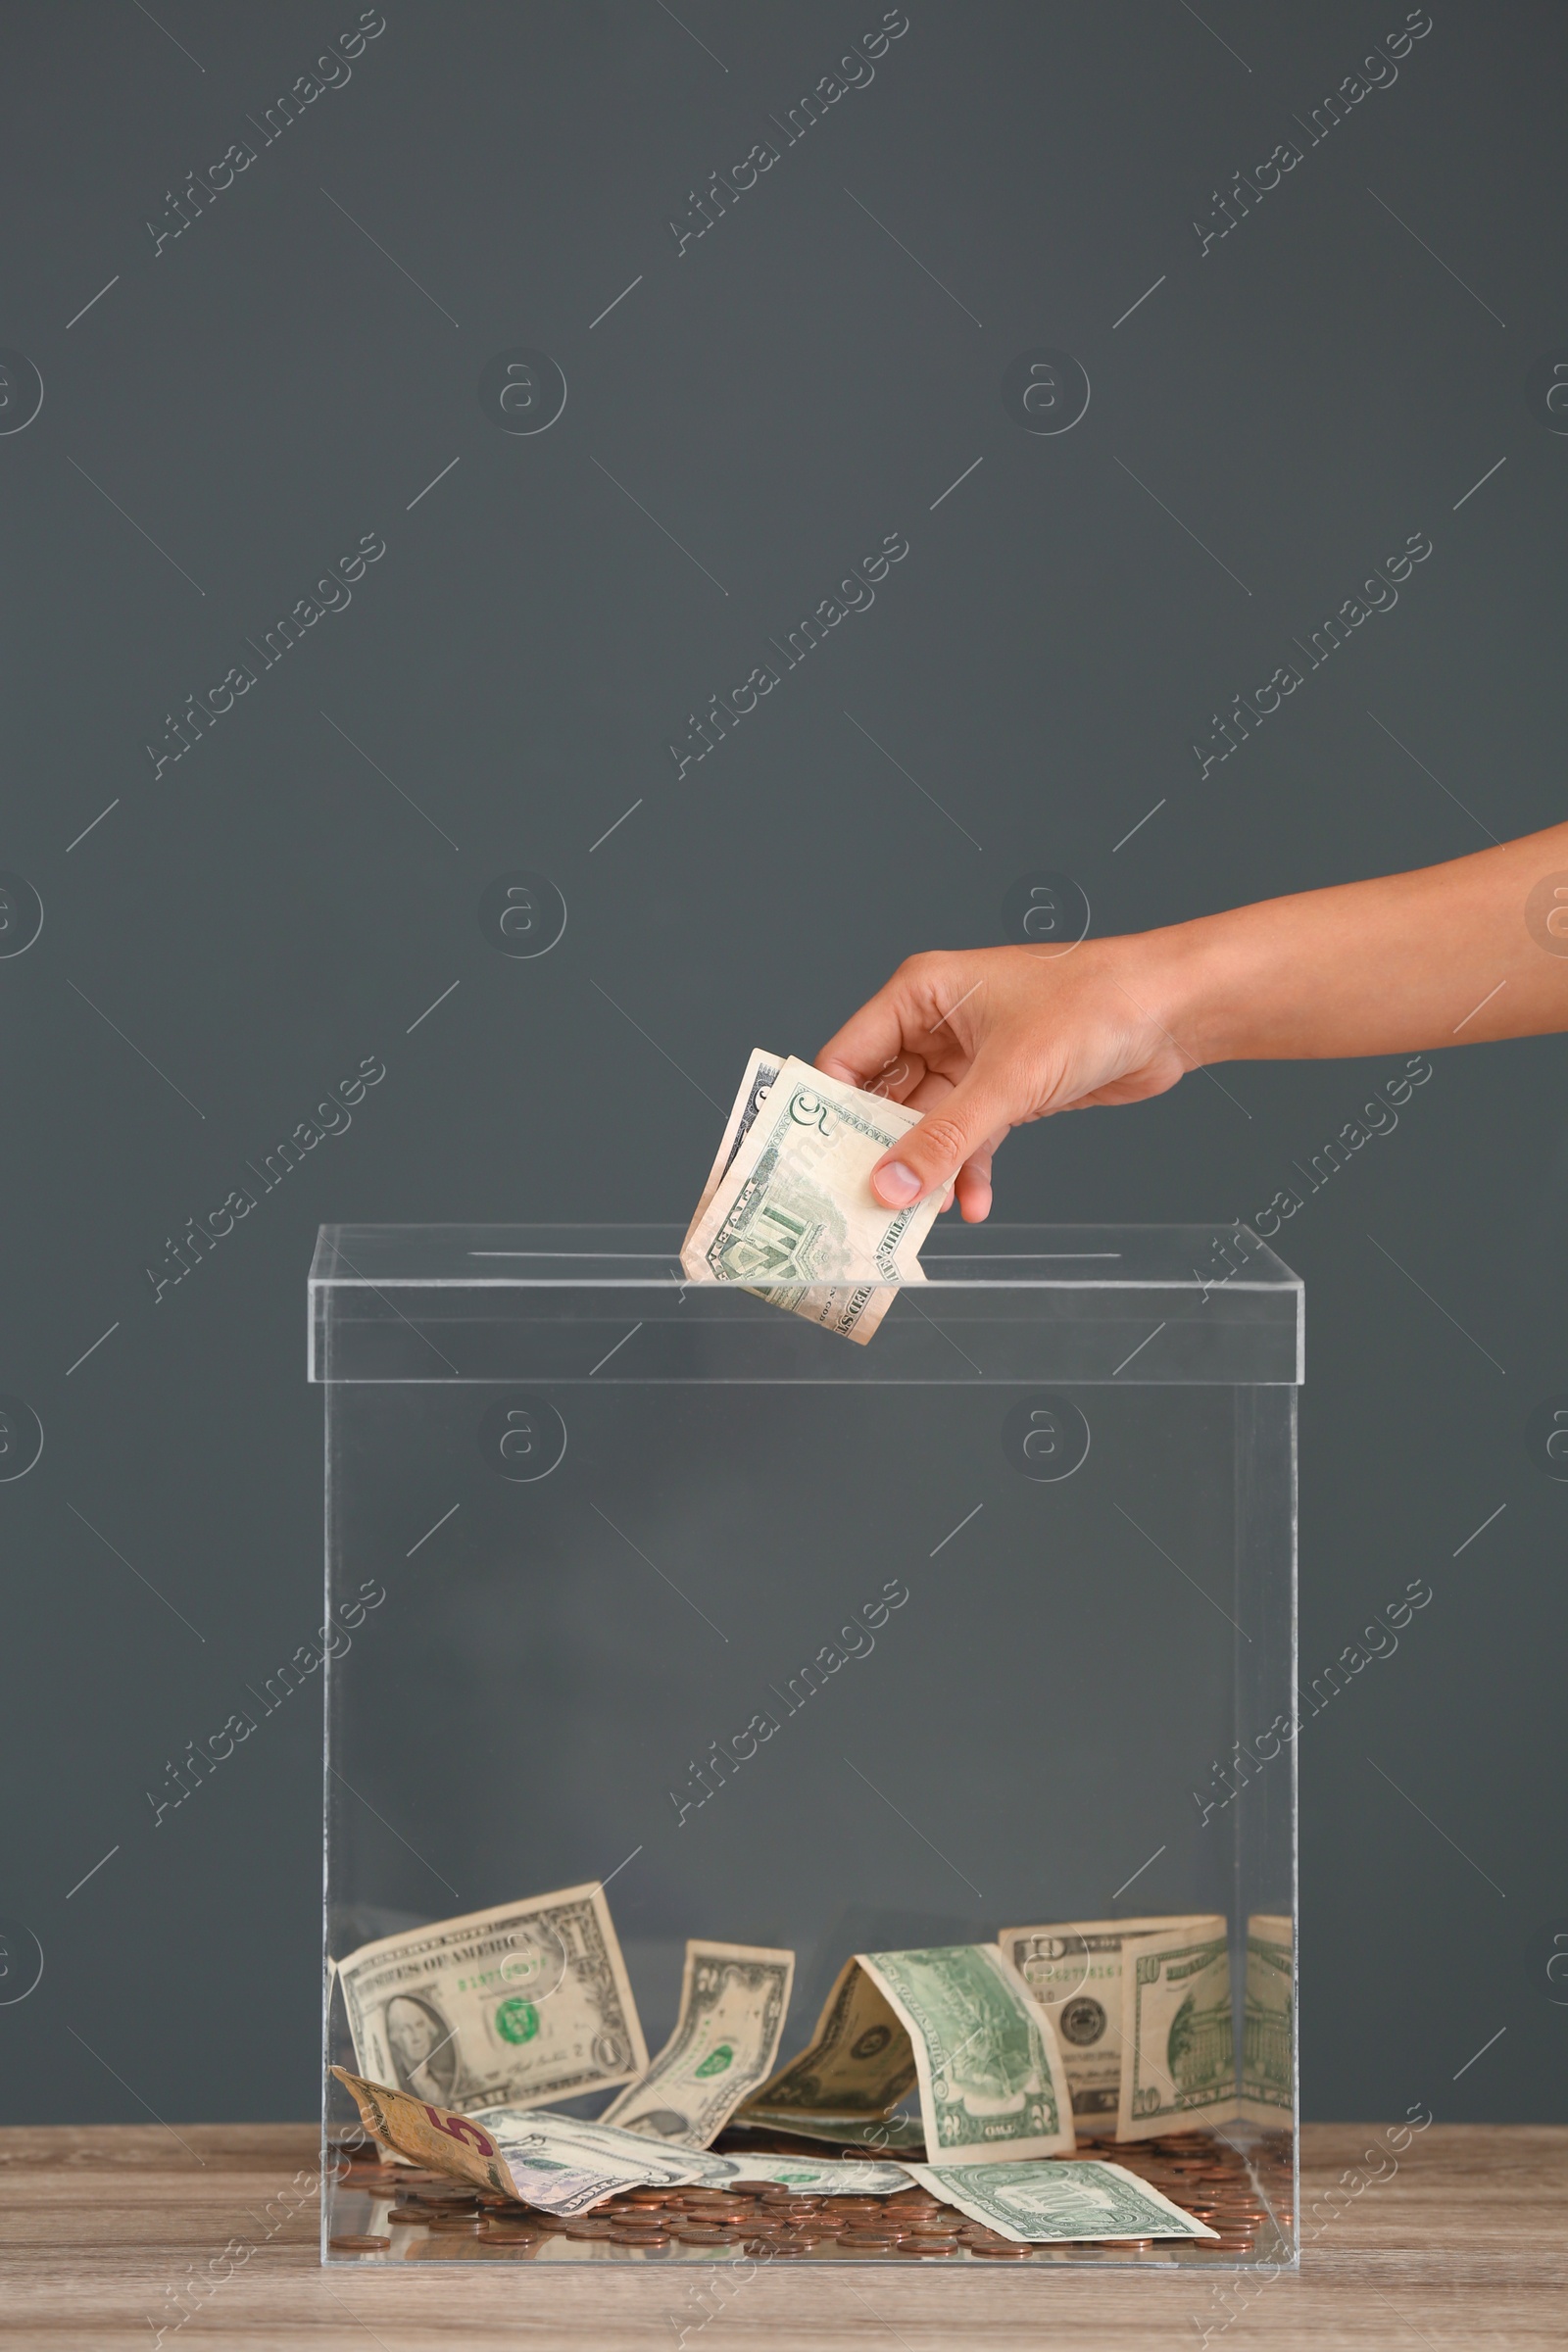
[{"x": 1464, "y": 2244}]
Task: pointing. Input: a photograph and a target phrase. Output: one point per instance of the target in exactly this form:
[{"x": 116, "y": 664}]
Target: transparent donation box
[{"x": 736, "y": 1634}]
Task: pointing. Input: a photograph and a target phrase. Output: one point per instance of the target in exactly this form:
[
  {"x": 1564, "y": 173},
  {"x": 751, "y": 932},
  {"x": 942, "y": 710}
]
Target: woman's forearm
[
  {"x": 982, "y": 1040},
  {"x": 1449, "y": 954}
]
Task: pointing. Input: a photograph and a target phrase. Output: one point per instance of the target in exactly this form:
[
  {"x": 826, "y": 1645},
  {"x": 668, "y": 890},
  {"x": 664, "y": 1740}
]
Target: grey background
[{"x": 233, "y": 937}]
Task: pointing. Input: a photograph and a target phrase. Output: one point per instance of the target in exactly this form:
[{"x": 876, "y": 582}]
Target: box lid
[{"x": 1137, "y": 1304}]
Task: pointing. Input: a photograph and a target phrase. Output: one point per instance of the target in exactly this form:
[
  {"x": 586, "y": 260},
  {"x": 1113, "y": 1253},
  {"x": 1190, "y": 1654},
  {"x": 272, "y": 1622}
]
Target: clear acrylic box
[{"x": 1014, "y": 1583}]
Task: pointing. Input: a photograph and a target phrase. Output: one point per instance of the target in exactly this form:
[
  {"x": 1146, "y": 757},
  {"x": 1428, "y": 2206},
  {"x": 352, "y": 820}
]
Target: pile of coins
[
  {"x": 1238, "y": 2194},
  {"x": 768, "y": 2221},
  {"x": 1215, "y": 2183}
]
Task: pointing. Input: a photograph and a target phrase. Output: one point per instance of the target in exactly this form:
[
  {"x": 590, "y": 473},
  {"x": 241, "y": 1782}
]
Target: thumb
[{"x": 930, "y": 1155}]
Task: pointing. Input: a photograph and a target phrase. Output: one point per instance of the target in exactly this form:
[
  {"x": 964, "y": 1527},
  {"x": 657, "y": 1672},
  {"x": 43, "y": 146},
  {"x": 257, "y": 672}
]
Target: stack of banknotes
[
  {"x": 465, "y": 2032},
  {"x": 788, "y": 1210}
]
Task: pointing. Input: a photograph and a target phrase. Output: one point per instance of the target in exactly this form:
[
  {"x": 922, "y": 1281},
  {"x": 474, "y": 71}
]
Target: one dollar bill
[
  {"x": 792, "y": 1216},
  {"x": 958, "y": 2020},
  {"x": 1046, "y": 2204},
  {"x": 733, "y": 2001},
  {"x": 514, "y": 2006}
]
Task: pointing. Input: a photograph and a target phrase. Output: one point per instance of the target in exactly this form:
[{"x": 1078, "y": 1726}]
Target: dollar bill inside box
[{"x": 795, "y": 1800}]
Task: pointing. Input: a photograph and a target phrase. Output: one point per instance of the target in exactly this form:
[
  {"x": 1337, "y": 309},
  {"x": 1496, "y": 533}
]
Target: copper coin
[
  {"x": 351, "y": 2244},
  {"x": 698, "y": 2233},
  {"x": 408, "y": 2213},
  {"x": 1004, "y": 2251},
  {"x": 642, "y": 2196},
  {"x": 651, "y": 2240},
  {"x": 926, "y": 2245},
  {"x": 454, "y": 2225}
]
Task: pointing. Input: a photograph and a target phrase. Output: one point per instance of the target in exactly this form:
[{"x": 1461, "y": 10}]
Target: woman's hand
[{"x": 987, "y": 1039}]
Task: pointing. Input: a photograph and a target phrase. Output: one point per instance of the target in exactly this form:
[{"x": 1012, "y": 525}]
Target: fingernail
[{"x": 897, "y": 1184}]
